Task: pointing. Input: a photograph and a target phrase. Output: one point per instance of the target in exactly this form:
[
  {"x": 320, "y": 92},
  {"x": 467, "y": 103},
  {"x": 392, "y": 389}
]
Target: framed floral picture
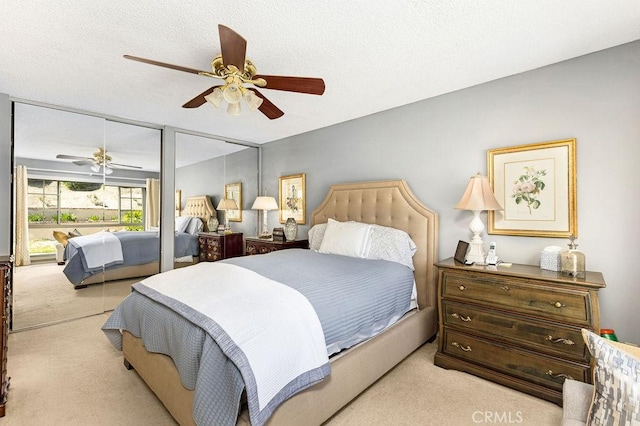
[
  {"x": 291, "y": 195},
  {"x": 536, "y": 186},
  {"x": 233, "y": 191}
]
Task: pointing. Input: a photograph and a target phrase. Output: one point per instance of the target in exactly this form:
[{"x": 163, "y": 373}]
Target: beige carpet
[
  {"x": 69, "y": 374},
  {"x": 42, "y": 294}
]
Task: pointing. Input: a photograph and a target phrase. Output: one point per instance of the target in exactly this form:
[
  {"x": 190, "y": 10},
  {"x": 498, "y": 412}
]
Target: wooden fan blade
[
  {"x": 233, "y": 46},
  {"x": 267, "y": 108},
  {"x": 164, "y": 64},
  {"x": 71, "y": 157},
  {"x": 310, "y": 85},
  {"x": 199, "y": 100}
]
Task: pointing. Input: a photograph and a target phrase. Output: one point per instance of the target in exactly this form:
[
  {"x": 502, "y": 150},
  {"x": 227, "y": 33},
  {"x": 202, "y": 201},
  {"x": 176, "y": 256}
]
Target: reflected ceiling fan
[
  {"x": 240, "y": 78},
  {"x": 99, "y": 159}
]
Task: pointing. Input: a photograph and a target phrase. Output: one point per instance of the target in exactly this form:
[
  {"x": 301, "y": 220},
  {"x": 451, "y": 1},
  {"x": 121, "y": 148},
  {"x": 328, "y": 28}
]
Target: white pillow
[
  {"x": 346, "y": 238},
  {"x": 181, "y": 223},
  {"x": 195, "y": 226},
  {"x": 392, "y": 244}
]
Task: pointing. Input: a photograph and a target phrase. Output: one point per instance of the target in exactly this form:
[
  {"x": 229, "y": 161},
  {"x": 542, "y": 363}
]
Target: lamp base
[
  {"x": 476, "y": 252},
  {"x": 265, "y": 235}
]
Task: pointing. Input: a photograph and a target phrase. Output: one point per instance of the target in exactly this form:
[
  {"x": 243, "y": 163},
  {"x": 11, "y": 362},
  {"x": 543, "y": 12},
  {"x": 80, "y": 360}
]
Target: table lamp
[
  {"x": 265, "y": 204},
  {"x": 224, "y": 205},
  {"x": 477, "y": 197}
]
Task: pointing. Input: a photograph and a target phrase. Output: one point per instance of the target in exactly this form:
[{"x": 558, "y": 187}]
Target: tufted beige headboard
[
  {"x": 200, "y": 206},
  {"x": 389, "y": 203}
]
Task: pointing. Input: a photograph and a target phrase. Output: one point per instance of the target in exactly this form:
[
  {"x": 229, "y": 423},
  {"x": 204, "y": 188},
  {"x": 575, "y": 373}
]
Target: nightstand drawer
[
  {"x": 546, "y": 371},
  {"x": 524, "y": 296},
  {"x": 533, "y": 334}
]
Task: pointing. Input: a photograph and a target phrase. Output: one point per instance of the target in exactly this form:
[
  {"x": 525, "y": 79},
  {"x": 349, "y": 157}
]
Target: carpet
[
  {"x": 43, "y": 295},
  {"x": 69, "y": 374}
]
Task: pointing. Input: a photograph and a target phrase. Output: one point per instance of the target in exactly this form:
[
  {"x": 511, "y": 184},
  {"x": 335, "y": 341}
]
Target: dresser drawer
[
  {"x": 534, "y": 334},
  {"x": 546, "y": 371},
  {"x": 525, "y": 296}
]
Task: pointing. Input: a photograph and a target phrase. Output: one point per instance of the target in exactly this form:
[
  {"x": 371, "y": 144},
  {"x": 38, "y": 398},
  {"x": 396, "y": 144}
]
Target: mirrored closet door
[
  {"x": 218, "y": 169},
  {"x": 77, "y": 177}
]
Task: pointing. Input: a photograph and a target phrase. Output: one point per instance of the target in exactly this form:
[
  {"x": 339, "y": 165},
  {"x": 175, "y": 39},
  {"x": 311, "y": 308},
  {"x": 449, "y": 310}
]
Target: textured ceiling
[{"x": 373, "y": 55}]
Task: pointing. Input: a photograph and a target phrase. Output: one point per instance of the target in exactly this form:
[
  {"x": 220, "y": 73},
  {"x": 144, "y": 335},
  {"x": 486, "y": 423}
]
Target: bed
[
  {"x": 140, "y": 250},
  {"x": 386, "y": 203}
]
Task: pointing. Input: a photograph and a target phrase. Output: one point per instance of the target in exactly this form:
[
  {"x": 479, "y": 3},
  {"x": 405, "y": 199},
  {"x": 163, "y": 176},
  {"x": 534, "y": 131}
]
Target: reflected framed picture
[
  {"x": 536, "y": 186},
  {"x": 178, "y": 202},
  {"x": 291, "y": 198},
  {"x": 233, "y": 191}
]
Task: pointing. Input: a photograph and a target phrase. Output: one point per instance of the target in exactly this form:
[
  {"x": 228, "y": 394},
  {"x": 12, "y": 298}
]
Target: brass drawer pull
[
  {"x": 559, "y": 375},
  {"x": 461, "y": 317},
  {"x": 560, "y": 340},
  {"x": 459, "y": 346},
  {"x": 505, "y": 288},
  {"x": 558, "y": 305},
  {"x": 461, "y": 287}
]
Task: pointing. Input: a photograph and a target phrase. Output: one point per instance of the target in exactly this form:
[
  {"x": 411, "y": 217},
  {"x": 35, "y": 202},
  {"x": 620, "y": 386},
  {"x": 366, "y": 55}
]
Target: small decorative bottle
[{"x": 572, "y": 260}]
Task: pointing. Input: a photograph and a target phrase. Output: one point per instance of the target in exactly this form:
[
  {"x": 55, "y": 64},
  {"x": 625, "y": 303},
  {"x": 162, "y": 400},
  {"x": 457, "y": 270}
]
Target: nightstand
[
  {"x": 214, "y": 246},
  {"x": 262, "y": 246},
  {"x": 518, "y": 326}
]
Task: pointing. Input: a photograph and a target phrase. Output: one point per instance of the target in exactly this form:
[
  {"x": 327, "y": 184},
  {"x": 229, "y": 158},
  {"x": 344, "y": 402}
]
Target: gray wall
[
  {"x": 436, "y": 145},
  {"x": 209, "y": 177}
]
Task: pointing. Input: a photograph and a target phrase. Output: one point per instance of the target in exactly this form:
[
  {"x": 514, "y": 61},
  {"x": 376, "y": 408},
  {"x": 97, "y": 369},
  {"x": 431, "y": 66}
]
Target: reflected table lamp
[
  {"x": 265, "y": 204},
  {"x": 224, "y": 205},
  {"x": 477, "y": 197}
]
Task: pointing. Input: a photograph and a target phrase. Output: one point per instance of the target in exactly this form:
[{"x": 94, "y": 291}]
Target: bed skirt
[{"x": 351, "y": 373}]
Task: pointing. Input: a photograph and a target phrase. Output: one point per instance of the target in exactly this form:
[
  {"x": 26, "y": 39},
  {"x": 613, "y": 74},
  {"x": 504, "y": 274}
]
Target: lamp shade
[
  {"x": 478, "y": 195},
  {"x": 265, "y": 203},
  {"x": 227, "y": 204}
]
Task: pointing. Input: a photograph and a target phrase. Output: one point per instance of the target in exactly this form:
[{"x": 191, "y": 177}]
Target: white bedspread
[
  {"x": 274, "y": 325},
  {"x": 101, "y": 248}
]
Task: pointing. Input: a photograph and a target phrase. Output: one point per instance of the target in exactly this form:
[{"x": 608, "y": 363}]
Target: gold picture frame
[
  {"x": 536, "y": 186},
  {"x": 178, "y": 202},
  {"x": 233, "y": 191},
  {"x": 292, "y": 198}
]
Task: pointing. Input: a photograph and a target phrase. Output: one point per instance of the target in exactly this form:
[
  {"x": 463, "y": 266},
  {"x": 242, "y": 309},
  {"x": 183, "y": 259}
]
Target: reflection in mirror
[
  {"x": 69, "y": 186},
  {"x": 204, "y": 166}
]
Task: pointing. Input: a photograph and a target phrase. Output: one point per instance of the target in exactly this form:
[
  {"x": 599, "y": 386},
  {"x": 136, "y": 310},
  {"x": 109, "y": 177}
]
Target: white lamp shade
[
  {"x": 227, "y": 204},
  {"x": 253, "y": 101},
  {"x": 478, "y": 195},
  {"x": 108, "y": 170},
  {"x": 234, "y": 109},
  {"x": 232, "y": 93},
  {"x": 265, "y": 203},
  {"x": 215, "y": 98}
]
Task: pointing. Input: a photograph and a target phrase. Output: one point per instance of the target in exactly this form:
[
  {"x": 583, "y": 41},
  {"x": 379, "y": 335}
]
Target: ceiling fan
[
  {"x": 99, "y": 158},
  {"x": 238, "y": 72}
]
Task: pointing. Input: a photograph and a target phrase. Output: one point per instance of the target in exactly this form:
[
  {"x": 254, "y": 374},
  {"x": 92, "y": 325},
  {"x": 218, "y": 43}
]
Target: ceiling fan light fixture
[
  {"x": 95, "y": 168},
  {"x": 215, "y": 98},
  {"x": 232, "y": 93},
  {"x": 234, "y": 109},
  {"x": 108, "y": 170},
  {"x": 253, "y": 101}
]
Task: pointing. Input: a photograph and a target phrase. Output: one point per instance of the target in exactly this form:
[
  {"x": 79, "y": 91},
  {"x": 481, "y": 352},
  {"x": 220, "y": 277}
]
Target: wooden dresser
[
  {"x": 5, "y": 279},
  {"x": 262, "y": 246},
  {"x": 518, "y": 326},
  {"x": 214, "y": 246}
]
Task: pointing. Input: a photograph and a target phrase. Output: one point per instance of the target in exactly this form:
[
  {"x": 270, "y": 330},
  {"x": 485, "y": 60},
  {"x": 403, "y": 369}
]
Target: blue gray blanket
[
  {"x": 354, "y": 299},
  {"x": 138, "y": 248}
]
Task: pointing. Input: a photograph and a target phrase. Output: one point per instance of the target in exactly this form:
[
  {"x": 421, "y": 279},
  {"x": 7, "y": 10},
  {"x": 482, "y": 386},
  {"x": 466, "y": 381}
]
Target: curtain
[
  {"x": 152, "y": 211},
  {"x": 22, "y": 218}
]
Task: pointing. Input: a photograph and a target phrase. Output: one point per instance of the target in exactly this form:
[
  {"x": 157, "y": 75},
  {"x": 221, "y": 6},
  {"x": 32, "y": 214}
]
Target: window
[{"x": 58, "y": 202}]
